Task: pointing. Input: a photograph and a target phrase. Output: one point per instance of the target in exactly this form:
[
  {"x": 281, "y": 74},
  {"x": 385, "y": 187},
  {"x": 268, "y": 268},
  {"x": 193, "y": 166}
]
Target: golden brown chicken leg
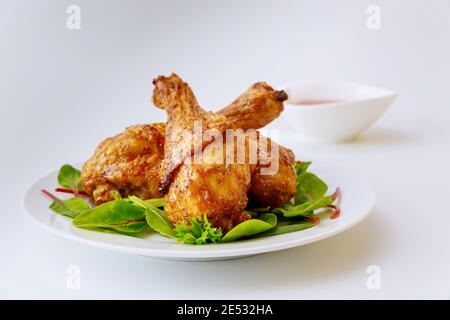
[
  {"x": 277, "y": 188},
  {"x": 253, "y": 109},
  {"x": 197, "y": 187},
  {"x": 128, "y": 164}
]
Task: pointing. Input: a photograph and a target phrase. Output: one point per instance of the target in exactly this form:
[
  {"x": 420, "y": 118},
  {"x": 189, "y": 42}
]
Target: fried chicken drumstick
[
  {"x": 210, "y": 186},
  {"x": 128, "y": 164},
  {"x": 253, "y": 109}
]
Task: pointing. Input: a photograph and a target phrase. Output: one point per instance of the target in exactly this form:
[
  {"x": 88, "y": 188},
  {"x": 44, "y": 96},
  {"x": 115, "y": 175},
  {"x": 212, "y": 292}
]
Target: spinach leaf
[
  {"x": 119, "y": 215},
  {"x": 287, "y": 228},
  {"x": 252, "y": 212},
  {"x": 69, "y": 208},
  {"x": 305, "y": 208},
  {"x": 69, "y": 177},
  {"x": 310, "y": 188},
  {"x": 155, "y": 217},
  {"x": 133, "y": 215},
  {"x": 156, "y": 202},
  {"x": 251, "y": 227},
  {"x": 198, "y": 232},
  {"x": 301, "y": 167}
]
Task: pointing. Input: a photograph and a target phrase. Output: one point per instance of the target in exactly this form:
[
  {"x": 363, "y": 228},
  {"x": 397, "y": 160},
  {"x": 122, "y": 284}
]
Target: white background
[{"x": 61, "y": 92}]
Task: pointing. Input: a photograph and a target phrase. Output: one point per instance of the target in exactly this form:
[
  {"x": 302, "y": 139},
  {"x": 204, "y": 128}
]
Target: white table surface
[{"x": 64, "y": 91}]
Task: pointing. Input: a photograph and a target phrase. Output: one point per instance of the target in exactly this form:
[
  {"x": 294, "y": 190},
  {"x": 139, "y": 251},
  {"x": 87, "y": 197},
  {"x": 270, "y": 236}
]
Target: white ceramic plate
[{"x": 356, "y": 204}]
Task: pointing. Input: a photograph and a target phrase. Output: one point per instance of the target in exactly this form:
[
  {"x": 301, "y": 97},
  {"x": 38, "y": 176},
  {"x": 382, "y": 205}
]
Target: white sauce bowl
[{"x": 355, "y": 109}]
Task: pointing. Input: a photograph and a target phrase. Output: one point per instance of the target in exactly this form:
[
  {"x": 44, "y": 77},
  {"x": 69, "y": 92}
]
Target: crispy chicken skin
[
  {"x": 273, "y": 190},
  {"x": 253, "y": 109},
  {"x": 256, "y": 107},
  {"x": 214, "y": 189},
  {"x": 202, "y": 187},
  {"x": 126, "y": 164},
  {"x": 183, "y": 112}
]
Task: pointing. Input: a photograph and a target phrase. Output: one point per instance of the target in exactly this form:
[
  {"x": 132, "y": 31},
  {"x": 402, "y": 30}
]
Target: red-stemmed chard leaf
[
  {"x": 336, "y": 213},
  {"x": 337, "y": 194},
  {"x": 316, "y": 220},
  {"x": 52, "y": 197},
  {"x": 71, "y": 207},
  {"x": 64, "y": 190}
]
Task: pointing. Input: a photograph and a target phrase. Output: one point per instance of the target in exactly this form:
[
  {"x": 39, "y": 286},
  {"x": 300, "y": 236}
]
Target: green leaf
[
  {"x": 156, "y": 202},
  {"x": 287, "y": 228},
  {"x": 198, "y": 232},
  {"x": 69, "y": 208},
  {"x": 119, "y": 215},
  {"x": 69, "y": 177},
  {"x": 252, "y": 212},
  {"x": 304, "y": 209},
  {"x": 301, "y": 167},
  {"x": 310, "y": 188},
  {"x": 251, "y": 227},
  {"x": 155, "y": 217}
]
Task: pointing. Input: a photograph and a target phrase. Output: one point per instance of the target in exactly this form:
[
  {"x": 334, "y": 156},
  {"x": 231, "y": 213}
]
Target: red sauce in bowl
[{"x": 310, "y": 102}]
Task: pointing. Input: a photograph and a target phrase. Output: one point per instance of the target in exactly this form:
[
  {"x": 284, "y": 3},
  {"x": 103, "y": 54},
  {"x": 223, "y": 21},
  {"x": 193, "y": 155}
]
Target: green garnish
[
  {"x": 251, "y": 227},
  {"x": 69, "y": 177},
  {"x": 70, "y": 208},
  {"x": 282, "y": 228},
  {"x": 155, "y": 217},
  {"x": 199, "y": 231},
  {"x": 133, "y": 215},
  {"x": 306, "y": 208},
  {"x": 119, "y": 215},
  {"x": 310, "y": 188},
  {"x": 156, "y": 202},
  {"x": 301, "y": 167}
]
